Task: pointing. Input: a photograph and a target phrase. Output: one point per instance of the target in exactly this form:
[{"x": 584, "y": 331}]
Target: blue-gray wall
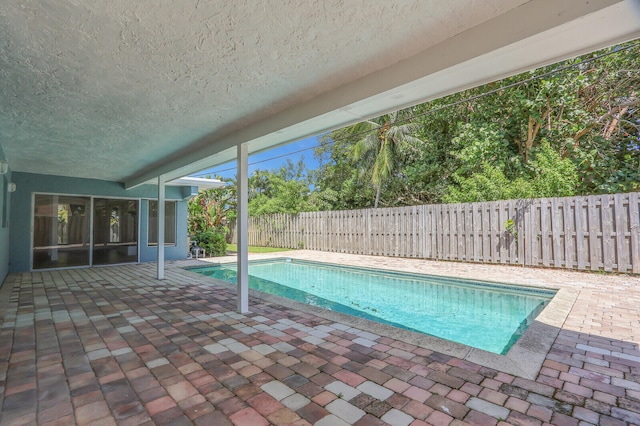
[
  {"x": 29, "y": 183},
  {"x": 179, "y": 251},
  {"x": 4, "y": 231}
]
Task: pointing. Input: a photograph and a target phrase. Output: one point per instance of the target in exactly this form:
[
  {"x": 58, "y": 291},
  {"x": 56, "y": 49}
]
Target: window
[
  {"x": 169, "y": 223},
  {"x": 61, "y": 231},
  {"x": 115, "y": 231}
]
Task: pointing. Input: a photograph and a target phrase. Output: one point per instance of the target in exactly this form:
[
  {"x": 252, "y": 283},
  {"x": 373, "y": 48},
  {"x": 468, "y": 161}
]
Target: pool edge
[
  {"x": 526, "y": 356},
  {"x": 524, "y": 359}
]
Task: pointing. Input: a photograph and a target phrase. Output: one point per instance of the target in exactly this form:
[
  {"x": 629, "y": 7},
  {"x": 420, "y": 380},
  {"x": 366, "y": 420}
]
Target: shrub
[{"x": 213, "y": 242}]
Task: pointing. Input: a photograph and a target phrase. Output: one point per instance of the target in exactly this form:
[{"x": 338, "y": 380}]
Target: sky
[{"x": 265, "y": 160}]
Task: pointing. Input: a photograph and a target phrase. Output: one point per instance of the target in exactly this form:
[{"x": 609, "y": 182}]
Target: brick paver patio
[{"x": 115, "y": 346}]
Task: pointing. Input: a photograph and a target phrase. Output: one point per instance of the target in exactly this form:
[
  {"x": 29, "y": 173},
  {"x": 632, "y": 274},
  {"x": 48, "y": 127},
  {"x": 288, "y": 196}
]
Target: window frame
[{"x": 175, "y": 224}]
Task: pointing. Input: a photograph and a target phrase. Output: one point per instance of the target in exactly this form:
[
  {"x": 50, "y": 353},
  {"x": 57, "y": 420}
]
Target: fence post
[{"x": 634, "y": 232}]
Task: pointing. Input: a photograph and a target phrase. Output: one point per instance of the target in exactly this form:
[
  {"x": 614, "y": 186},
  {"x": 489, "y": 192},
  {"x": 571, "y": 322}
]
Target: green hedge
[{"x": 214, "y": 243}]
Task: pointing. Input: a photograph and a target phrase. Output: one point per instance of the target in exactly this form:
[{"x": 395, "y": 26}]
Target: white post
[
  {"x": 54, "y": 229},
  {"x": 161, "y": 182},
  {"x": 242, "y": 224}
]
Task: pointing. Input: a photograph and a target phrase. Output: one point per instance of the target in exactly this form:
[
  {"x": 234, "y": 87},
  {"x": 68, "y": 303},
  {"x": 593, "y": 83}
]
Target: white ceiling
[{"x": 124, "y": 90}]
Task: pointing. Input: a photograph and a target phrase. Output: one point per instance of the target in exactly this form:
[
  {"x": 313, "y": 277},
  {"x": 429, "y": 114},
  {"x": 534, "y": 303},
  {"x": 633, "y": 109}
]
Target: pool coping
[{"x": 524, "y": 359}]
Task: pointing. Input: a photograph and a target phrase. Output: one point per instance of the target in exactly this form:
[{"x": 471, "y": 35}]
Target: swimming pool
[{"x": 484, "y": 315}]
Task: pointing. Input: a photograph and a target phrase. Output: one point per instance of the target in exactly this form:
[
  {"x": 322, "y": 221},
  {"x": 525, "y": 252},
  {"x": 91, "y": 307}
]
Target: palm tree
[{"x": 379, "y": 146}]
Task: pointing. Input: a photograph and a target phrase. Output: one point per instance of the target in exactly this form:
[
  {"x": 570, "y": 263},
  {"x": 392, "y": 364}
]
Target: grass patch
[{"x": 253, "y": 249}]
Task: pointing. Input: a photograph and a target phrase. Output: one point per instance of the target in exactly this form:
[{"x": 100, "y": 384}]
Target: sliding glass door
[
  {"x": 115, "y": 231},
  {"x": 61, "y": 231}
]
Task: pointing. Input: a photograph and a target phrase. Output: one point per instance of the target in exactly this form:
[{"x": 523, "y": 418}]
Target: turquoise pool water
[{"x": 479, "y": 314}]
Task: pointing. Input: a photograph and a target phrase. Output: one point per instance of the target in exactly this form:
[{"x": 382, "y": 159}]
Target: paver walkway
[{"x": 115, "y": 346}]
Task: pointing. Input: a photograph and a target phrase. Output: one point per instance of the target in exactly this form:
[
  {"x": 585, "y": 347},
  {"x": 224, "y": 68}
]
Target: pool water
[{"x": 480, "y": 314}]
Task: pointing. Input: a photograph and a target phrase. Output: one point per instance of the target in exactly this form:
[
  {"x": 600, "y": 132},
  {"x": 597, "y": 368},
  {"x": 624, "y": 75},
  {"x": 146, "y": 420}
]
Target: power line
[{"x": 616, "y": 49}]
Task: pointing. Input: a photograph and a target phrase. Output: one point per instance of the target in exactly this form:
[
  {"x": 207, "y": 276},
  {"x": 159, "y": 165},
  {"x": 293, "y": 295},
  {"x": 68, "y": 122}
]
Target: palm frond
[
  {"x": 365, "y": 147},
  {"x": 412, "y": 140},
  {"x": 408, "y": 128},
  {"x": 385, "y": 161},
  {"x": 363, "y": 126}
]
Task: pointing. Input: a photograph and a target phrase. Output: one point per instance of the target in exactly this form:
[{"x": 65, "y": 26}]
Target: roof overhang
[
  {"x": 535, "y": 34},
  {"x": 200, "y": 183}
]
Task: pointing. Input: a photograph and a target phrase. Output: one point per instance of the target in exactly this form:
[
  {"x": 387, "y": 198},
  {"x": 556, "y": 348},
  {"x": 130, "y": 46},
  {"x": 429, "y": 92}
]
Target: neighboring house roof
[{"x": 201, "y": 183}]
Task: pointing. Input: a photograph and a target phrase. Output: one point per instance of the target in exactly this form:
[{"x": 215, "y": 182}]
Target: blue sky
[{"x": 266, "y": 161}]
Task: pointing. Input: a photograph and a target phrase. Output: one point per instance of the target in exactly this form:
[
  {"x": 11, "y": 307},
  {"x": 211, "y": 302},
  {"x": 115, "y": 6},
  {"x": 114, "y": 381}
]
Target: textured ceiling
[
  {"x": 115, "y": 88},
  {"x": 106, "y": 88}
]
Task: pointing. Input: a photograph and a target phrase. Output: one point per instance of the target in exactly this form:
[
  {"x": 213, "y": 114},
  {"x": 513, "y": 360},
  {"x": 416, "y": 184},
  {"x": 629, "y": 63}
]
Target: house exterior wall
[
  {"x": 4, "y": 230},
  {"x": 30, "y": 183},
  {"x": 179, "y": 251}
]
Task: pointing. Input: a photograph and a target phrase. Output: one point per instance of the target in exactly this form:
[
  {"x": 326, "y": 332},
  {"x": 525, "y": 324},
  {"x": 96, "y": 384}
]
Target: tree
[
  {"x": 338, "y": 181},
  {"x": 210, "y": 214},
  {"x": 551, "y": 176},
  {"x": 281, "y": 191},
  {"x": 379, "y": 144},
  {"x": 585, "y": 111}
]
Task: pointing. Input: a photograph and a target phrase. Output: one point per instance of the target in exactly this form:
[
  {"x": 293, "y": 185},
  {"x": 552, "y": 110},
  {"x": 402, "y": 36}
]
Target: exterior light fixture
[
  {"x": 11, "y": 187},
  {"x": 4, "y": 167}
]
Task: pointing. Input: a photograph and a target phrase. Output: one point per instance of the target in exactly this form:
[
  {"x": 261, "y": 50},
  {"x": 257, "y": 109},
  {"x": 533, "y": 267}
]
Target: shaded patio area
[{"x": 115, "y": 346}]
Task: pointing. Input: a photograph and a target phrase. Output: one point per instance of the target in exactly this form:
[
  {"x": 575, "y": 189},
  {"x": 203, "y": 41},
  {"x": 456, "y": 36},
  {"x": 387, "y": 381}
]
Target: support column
[
  {"x": 242, "y": 224},
  {"x": 53, "y": 252},
  {"x": 161, "y": 184}
]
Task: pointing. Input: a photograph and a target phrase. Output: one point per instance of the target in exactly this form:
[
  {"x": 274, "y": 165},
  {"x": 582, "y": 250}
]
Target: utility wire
[{"x": 617, "y": 49}]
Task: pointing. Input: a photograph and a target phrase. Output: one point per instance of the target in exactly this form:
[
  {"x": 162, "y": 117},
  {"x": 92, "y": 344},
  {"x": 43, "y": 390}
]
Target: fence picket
[
  {"x": 433, "y": 229},
  {"x": 468, "y": 231},
  {"x": 494, "y": 240},
  {"x": 485, "y": 228},
  {"x": 503, "y": 250},
  {"x": 557, "y": 255},
  {"x": 520, "y": 237},
  {"x": 477, "y": 247},
  {"x": 569, "y": 233},
  {"x": 594, "y": 242},
  {"x": 608, "y": 250},
  {"x": 545, "y": 227},
  {"x": 622, "y": 253},
  {"x": 634, "y": 232}
]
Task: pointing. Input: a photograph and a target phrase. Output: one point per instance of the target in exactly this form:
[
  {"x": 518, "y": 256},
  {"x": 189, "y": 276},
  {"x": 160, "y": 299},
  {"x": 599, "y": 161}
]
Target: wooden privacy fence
[{"x": 599, "y": 232}]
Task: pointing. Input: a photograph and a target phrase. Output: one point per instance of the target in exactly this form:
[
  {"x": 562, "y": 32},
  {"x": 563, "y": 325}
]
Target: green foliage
[
  {"x": 213, "y": 242},
  {"x": 553, "y": 176},
  {"x": 282, "y": 191},
  {"x": 209, "y": 215},
  {"x": 338, "y": 181},
  {"x": 283, "y": 196},
  {"x": 479, "y": 144},
  {"x": 487, "y": 185},
  {"x": 379, "y": 146},
  {"x": 549, "y": 176},
  {"x": 510, "y": 227},
  {"x": 538, "y": 134},
  {"x": 212, "y": 209},
  {"x": 576, "y": 131}
]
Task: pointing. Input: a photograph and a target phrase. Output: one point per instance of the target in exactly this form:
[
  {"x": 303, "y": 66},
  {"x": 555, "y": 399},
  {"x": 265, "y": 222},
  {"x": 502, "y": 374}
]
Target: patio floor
[{"x": 115, "y": 346}]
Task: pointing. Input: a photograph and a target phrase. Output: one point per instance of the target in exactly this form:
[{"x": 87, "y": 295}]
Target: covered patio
[
  {"x": 103, "y": 105},
  {"x": 116, "y": 346}
]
